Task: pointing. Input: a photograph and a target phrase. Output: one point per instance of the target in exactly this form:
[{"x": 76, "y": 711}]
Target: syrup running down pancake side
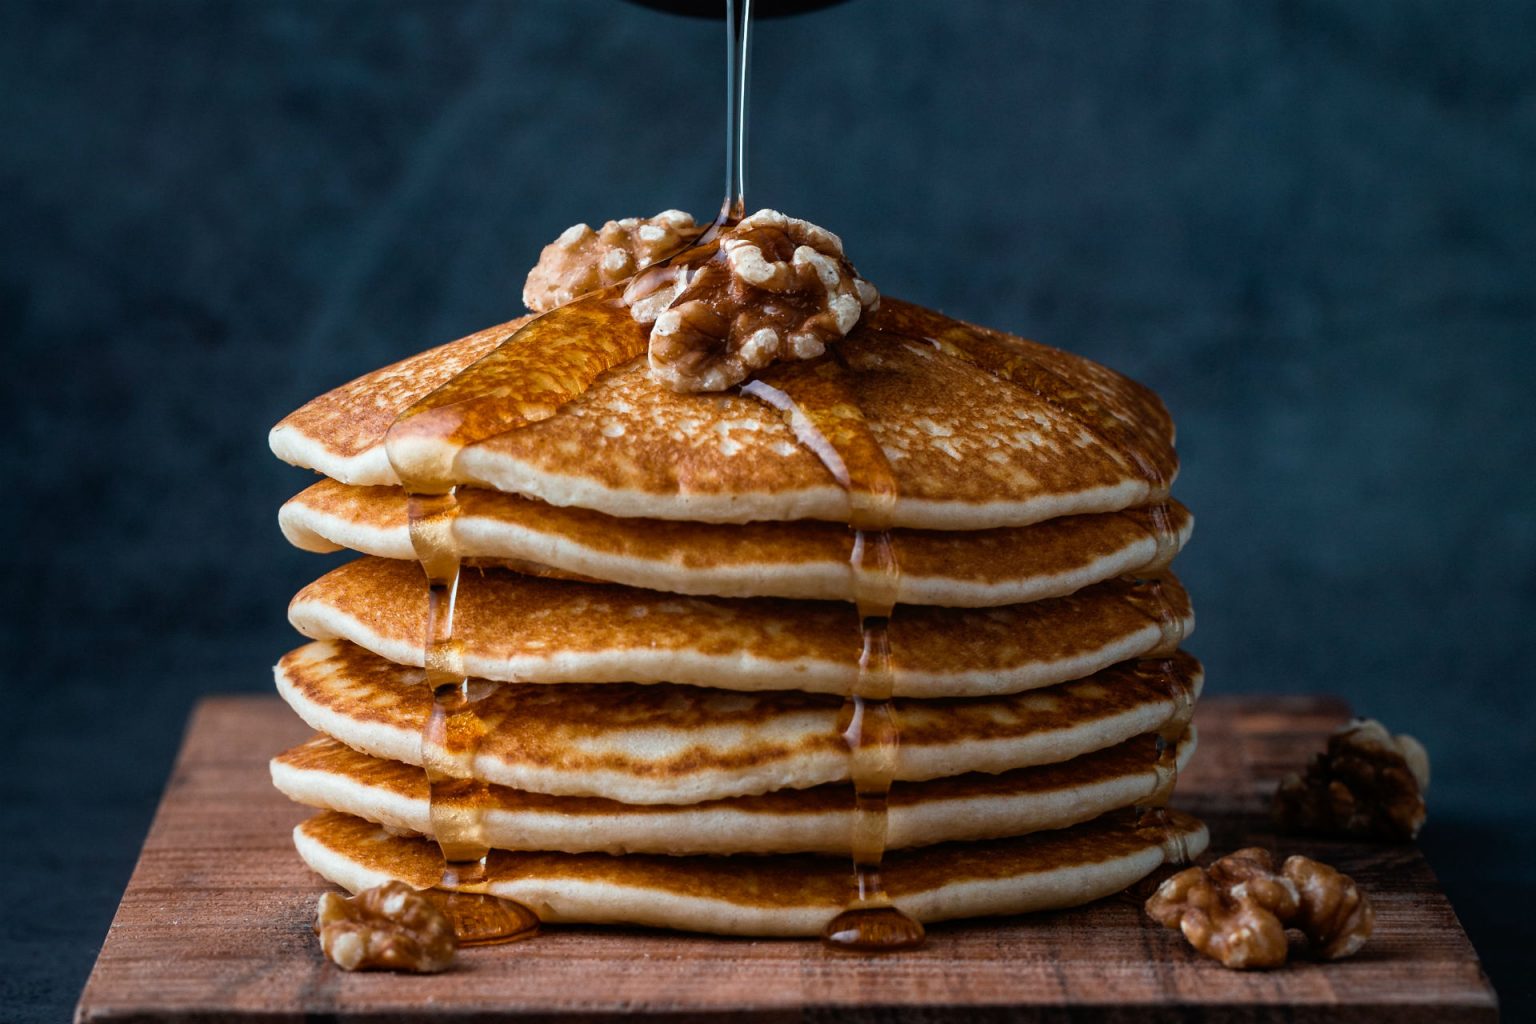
[
  {"x": 823, "y": 412},
  {"x": 527, "y": 378}
]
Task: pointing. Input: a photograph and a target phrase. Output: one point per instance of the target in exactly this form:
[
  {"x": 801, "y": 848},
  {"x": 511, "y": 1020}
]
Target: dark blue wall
[{"x": 1310, "y": 224}]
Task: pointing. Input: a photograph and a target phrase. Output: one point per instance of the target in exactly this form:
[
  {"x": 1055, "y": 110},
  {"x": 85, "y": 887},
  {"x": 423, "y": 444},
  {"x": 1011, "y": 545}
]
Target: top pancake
[{"x": 968, "y": 450}]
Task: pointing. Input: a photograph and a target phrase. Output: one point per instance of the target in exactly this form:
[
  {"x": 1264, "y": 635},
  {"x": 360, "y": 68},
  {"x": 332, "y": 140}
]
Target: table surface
[{"x": 215, "y": 925}]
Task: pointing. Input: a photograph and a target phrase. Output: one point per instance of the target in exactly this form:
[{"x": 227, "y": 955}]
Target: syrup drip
[
  {"x": 527, "y": 378},
  {"x": 1152, "y": 816},
  {"x": 820, "y": 407},
  {"x": 827, "y": 420},
  {"x": 452, "y": 735},
  {"x": 451, "y": 739},
  {"x": 1013, "y": 363},
  {"x": 535, "y": 371},
  {"x": 1165, "y": 538}
]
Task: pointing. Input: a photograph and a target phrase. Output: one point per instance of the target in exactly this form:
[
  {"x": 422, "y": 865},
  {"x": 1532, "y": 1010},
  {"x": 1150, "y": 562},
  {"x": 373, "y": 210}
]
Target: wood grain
[{"x": 215, "y": 926}]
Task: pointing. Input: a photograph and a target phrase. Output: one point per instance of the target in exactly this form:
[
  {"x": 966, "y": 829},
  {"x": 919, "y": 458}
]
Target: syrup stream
[
  {"x": 528, "y": 377},
  {"x": 738, "y": 59},
  {"x": 827, "y": 421}
]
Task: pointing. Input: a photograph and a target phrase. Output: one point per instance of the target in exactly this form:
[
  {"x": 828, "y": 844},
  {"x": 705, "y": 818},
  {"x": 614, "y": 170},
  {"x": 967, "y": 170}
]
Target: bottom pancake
[
  {"x": 326, "y": 774},
  {"x": 772, "y": 895}
]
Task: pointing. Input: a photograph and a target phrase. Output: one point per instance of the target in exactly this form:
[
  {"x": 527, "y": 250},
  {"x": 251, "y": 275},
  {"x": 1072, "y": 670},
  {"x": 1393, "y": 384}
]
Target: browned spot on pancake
[
  {"x": 567, "y": 725},
  {"x": 560, "y": 618},
  {"x": 763, "y": 881}
]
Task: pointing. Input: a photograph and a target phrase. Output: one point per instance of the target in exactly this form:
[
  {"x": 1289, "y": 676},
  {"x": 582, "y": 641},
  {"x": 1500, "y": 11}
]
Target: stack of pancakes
[{"x": 660, "y": 584}]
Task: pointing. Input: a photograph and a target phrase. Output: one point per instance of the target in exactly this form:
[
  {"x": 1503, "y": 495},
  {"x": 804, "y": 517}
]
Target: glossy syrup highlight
[{"x": 452, "y": 734}]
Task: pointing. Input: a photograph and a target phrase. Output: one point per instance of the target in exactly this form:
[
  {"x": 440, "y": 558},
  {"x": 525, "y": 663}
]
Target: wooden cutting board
[{"x": 215, "y": 926}]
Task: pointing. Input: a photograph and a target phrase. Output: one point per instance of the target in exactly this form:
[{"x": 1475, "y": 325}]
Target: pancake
[
  {"x": 326, "y": 774},
  {"x": 768, "y": 896},
  {"x": 666, "y": 743},
  {"x": 520, "y": 628},
  {"x": 967, "y": 451},
  {"x": 807, "y": 560}
]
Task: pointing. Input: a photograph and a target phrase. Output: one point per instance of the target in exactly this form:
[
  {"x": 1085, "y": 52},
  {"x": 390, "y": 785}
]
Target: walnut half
[
  {"x": 1237, "y": 911},
  {"x": 775, "y": 288},
  {"x": 1368, "y": 783},
  {"x": 390, "y": 927},
  {"x": 582, "y": 260}
]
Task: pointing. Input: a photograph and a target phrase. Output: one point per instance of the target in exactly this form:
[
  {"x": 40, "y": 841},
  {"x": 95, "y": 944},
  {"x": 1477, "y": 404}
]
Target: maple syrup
[
  {"x": 825, "y": 417},
  {"x": 738, "y": 68},
  {"x": 527, "y": 378},
  {"x": 818, "y": 402}
]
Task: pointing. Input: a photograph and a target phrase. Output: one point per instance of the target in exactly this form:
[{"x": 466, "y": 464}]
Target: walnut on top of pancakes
[
  {"x": 582, "y": 260},
  {"x": 769, "y": 288}
]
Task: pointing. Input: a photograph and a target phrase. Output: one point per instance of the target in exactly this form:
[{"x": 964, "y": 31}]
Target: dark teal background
[{"x": 1310, "y": 225}]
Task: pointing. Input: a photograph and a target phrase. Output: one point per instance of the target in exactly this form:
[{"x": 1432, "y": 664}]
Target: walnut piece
[
  {"x": 1332, "y": 912},
  {"x": 582, "y": 260},
  {"x": 390, "y": 927},
  {"x": 773, "y": 288},
  {"x": 1368, "y": 783},
  {"x": 1237, "y": 911}
]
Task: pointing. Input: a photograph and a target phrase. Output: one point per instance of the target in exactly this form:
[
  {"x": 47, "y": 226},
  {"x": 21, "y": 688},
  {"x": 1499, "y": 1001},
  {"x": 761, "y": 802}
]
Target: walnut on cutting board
[
  {"x": 390, "y": 927},
  {"x": 1237, "y": 910}
]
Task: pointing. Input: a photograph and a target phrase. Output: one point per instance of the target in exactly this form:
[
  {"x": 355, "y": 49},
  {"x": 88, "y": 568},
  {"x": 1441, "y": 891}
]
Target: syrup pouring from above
[{"x": 527, "y": 378}]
